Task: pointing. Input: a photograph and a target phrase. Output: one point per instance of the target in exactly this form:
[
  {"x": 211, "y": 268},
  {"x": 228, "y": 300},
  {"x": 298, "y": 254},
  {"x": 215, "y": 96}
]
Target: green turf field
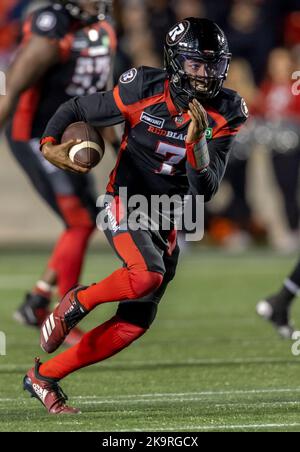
[{"x": 208, "y": 364}]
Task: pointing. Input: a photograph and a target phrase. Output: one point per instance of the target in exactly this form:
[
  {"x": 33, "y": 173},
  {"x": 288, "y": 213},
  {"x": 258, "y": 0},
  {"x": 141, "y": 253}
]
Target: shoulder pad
[
  {"x": 233, "y": 106},
  {"x": 130, "y": 86},
  {"x": 154, "y": 81},
  {"x": 142, "y": 83},
  {"x": 51, "y": 22}
]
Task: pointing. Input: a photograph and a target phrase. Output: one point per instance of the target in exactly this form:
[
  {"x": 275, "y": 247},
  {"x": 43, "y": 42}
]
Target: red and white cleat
[
  {"x": 65, "y": 317},
  {"x": 47, "y": 391}
]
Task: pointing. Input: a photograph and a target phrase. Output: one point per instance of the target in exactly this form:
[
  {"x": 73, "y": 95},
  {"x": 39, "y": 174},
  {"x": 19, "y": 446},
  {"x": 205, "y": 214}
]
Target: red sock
[
  {"x": 132, "y": 282},
  {"x": 115, "y": 287},
  {"x": 97, "y": 345},
  {"x": 122, "y": 285},
  {"x": 68, "y": 255},
  {"x": 67, "y": 258}
]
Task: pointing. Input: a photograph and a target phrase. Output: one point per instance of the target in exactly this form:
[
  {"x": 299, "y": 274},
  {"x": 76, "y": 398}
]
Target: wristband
[
  {"x": 47, "y": 140},
  {"x": 198, "y": 154}
]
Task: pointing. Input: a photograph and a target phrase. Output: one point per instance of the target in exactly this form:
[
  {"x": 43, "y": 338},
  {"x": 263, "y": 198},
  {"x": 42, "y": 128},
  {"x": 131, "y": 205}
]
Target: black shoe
[
  {"x": 278, "y": 314},
  {"x": 33, "y": 311}
]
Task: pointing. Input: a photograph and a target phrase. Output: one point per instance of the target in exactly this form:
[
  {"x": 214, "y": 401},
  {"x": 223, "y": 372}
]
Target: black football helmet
[
  {"x": 104, "y": 9},
  {"x": 197, "y": 60}
]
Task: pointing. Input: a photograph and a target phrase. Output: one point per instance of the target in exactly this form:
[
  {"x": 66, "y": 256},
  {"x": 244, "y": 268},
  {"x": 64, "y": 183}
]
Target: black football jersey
[
  {"x": 152, "y": 159},
  {"x": 84, "y": 67}
]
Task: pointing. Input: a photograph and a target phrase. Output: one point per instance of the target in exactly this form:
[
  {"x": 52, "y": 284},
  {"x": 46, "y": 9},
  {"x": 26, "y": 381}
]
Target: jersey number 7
[{"x": 173, "y": 155}]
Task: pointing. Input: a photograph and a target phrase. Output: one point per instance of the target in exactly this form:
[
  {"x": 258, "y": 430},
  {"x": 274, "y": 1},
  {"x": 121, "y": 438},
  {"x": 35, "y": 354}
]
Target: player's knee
[
  {"x": 129, "y": 332},
  {"x": 75, "y": 214},
  {"x": 145, "y": 282},
  {"x": 140, "y": 313},
  {"x": 88, "y": 230},
  {"x": 85, "y": 226},
  {"x": 81, "y": 233},
  {"x": 148, "y": 316}
]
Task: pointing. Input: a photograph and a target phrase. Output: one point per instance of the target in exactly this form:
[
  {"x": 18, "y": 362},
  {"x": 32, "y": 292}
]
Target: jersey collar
[{"x": 179, "y": 117}]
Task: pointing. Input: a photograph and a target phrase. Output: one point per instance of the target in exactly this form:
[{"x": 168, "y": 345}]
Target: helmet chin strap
[{"x": 180, "y": 99}]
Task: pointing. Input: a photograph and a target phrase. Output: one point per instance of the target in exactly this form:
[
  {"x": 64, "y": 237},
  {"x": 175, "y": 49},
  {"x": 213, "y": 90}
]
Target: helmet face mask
[
  {"x": 198, "y": 62},
  {"x": 201, "y": 78}
]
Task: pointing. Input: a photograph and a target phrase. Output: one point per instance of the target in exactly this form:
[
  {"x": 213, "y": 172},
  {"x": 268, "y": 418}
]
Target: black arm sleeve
[
  {"x": 207, "y": 182},
  {"x": 99, "y": 110}
]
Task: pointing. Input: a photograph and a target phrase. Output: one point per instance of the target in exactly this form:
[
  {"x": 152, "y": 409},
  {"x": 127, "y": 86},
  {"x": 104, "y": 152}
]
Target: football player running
[
  {"x": 180, "y": 126},
  {"x": 67, "y": 51}
]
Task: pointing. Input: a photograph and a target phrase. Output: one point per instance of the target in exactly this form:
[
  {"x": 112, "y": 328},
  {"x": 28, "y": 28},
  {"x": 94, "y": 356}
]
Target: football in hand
[{"x": 90, "y": 151}]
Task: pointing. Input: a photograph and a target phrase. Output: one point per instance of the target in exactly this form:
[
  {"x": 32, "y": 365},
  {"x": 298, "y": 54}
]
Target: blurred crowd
[{"x": 259, "y": 199}]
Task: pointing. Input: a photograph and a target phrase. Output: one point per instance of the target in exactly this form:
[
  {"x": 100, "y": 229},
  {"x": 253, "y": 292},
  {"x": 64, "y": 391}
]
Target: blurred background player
[
  {"x": 67, "y": 50},
  {"x": 276, "y": 308},
  {"x": 282, "y": 110},
  {"x": 279, "y": 109}
]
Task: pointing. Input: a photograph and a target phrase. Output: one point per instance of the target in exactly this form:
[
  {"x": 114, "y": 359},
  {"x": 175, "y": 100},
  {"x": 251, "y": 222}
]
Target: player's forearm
[
  {"x": 20, "y": 79},
  {"x": 206, "y": 166},
  {"x": 6, "y": 108},
  {"x": 67, "y": 114},
  {"x": 205, "y": 183},
  {"x": 99, "y": 110},
  {"x": 201, "y": 178},
  {"x": 32, "y": 61}
]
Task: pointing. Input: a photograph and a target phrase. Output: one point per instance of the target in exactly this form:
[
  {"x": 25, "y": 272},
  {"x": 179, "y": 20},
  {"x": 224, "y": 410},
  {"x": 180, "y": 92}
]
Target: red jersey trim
[
  {"x": 222, "y": 128},
  {"x": 111, "y": 33},
  {"x": 226, "y": 132},
  {"x": 112, "y": 179},
  {"x": 27, "y": 31},
  {"x": 119, "y": 102},
  {"x": 65, "y": 47},
  {"x": 170, "y": 104},
  {"x": 132, "y": 113}
]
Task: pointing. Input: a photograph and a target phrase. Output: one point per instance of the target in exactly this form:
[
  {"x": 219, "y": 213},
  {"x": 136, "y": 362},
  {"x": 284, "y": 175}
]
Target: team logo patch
[
  {"x": 244, "y": 108},
  {"x": 179, "y": 120},
  {"x": 46, "y": 21},
  {"x": 152, "y": 120},
  {"x": 209, "y": 133},
  {"x": 177, "y": 33},
  {"x": 129, "y": 76}
]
